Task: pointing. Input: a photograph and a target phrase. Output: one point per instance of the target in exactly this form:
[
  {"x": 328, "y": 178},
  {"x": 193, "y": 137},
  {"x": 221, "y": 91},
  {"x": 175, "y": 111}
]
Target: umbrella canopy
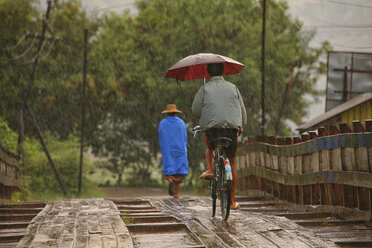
[{"x": 195, "y": 66}]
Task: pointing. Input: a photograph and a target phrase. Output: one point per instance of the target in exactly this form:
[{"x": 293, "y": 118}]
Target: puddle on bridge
[
  {"x": 163, "y": 235},
  {"x": 150, "y": 227}
]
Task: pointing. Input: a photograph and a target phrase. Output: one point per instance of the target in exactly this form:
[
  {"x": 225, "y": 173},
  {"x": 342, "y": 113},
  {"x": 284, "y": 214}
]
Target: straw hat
[{"x": 171, "y": 108}]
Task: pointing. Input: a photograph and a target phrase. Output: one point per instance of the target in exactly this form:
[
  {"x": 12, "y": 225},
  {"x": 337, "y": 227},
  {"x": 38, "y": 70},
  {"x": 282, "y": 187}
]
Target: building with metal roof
[{"x": 358, "y": 108}]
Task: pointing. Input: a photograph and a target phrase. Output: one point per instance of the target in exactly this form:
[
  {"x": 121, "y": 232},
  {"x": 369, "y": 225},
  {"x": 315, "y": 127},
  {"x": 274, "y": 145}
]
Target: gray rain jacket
[{"x": 218, "y": 104}]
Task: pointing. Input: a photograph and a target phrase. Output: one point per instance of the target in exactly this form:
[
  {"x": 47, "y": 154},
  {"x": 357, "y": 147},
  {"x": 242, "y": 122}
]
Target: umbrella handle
[{"x": 204, "y": 73}]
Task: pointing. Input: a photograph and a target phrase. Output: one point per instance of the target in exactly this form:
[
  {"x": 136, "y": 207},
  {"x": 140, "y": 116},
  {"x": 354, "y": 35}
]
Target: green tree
[
  {"x": 138, "y": 51},
  {"x": 56, "y": 91},
  {"x": 65, "y": 156},
  {"x": 120, "y": 153},
  {"x": 19, "y": 17},
  {"x": 55, "y": 96},
  {"x": 8, "y": 138},
  {"x": 128, "y": 57}
]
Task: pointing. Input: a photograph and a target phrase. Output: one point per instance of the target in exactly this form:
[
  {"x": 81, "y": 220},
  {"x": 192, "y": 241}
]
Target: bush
[
  {"x": 24, "y": 193},
  {"x": 65, "y": 155},
  {"x": 8, "y": 138}
]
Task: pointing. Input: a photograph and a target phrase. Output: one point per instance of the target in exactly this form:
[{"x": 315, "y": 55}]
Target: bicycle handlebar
[{"x": 196, "y": 129}]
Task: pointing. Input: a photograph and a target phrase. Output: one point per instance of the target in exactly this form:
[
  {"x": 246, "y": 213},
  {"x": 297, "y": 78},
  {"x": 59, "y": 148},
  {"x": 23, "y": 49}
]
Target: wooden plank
[
  {"x": 369, "y": 110},
  {"x": 364, "y": 199},
  {"x": 354, "y": 243},
  {"x": 337, "y": 194},
  {"x": 350, "y": 196},
  {"x": 325, "y": 194},
  {"x": 328, "y": 222},
  {"x": 336, "y": 161},
  {"x": 261, "y": 159},
  {"x": 269, "y": 161},
  {"x": 8, "y": 158},
  {"x": 353, "y": 178},
  {"x": 314, "y": 162},
  {"x": 307, "y": 194},
  {"x": 283, "y": 192},
  {"x": 348, "y": 159},
  {"x": 324, "y": 160},
  {"x": 315, "y": 194},
  {"x": 306, "y": 164},
  {"x": 298, "y": 165},
  {"x": 291, "y": 193},
  {"x": 276, "y": 191},
  {"x": 299, "y": 194},
  {"x": 370, "y": 159},
  {"x": 362, "y": 159}
]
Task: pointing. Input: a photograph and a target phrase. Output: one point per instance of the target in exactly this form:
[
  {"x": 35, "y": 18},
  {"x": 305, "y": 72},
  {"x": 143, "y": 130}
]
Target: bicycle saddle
[{"x": 225, "y": 141}]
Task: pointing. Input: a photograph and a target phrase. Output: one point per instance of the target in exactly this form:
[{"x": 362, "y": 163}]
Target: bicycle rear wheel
[
  {"x": 214, "y": 197},
  {"x": 225, "y": 192},
  {"x": 214, "y": 190}
]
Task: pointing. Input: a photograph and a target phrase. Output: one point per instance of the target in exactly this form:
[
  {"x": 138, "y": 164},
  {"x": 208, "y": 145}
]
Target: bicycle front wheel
[{"x": 225, "y": 193}]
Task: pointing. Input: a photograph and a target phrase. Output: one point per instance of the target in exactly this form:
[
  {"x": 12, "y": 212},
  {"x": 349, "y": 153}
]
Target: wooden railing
[
  {"x": 9, "y": 174},
  {"x": 316, "y": 168}
]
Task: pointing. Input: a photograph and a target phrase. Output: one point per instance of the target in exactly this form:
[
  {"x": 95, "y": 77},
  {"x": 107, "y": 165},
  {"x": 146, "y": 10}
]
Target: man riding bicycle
[{"x": 219, "y": 106}]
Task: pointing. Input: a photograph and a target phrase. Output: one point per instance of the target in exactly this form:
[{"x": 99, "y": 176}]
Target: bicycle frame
[
  {"x": 222, "y": 176},
  {"x": 222, "y": 143}
]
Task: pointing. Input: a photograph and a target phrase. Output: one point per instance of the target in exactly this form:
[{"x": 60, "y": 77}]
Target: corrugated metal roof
[{"x": 337, "y": 110}]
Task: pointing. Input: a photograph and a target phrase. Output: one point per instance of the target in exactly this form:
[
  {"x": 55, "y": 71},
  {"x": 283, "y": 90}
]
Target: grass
[
  {"x": 127, "y": 220},
  {"x": 105, "y": 178}
]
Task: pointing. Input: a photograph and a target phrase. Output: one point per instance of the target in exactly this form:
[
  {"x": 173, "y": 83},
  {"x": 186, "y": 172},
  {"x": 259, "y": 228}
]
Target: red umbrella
[{"x": 195, "y": 66}]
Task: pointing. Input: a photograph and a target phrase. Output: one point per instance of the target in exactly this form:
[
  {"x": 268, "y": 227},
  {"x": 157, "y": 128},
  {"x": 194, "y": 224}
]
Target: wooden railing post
[
  {"x": 297, "y": 158},
  {"x": 347, "y": 153},
  {"x": 335, "y": 153},
  {"x": 340, "y": 161},
  {"x": 298, "y": 170}
]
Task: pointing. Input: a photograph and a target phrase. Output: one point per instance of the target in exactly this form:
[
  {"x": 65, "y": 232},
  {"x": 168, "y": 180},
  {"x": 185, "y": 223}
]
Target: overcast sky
[{"x": 346, "y": 24}]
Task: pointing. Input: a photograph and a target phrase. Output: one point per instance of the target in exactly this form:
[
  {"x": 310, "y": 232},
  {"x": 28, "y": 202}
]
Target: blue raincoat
[{"x": 173, "y": 145}]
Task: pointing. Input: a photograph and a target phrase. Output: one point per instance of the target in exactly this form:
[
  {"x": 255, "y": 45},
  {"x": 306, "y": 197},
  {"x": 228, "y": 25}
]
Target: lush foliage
[
  {"x": 8, "y": 138},
  {"x": 24, "y": 194},
  {"x": 120, "y": 153},
  {"x": 17, "y": 18},
  {"x": 66, "y": 158},
  {"x": 126, "y": 91},
  {"x": 56, "y": 88},
  {"x": 139, "y": 50}
]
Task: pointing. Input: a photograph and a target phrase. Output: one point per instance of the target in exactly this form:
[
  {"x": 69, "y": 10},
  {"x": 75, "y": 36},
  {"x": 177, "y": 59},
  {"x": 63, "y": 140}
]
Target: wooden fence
[
  {"x": 317, "y": 168},
  {"x": 9, "y": 174}
]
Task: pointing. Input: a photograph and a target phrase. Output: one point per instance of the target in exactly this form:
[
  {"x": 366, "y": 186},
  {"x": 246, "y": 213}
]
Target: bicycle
[{"x": 222, "y": 176}]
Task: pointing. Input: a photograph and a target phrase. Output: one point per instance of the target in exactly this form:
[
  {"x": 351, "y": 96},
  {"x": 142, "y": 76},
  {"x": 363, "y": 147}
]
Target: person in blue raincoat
[{"x": 173, "y": 144}]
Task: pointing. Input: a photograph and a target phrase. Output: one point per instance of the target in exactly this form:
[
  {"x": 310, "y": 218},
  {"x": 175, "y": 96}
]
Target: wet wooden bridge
[
  {"x": 262, "y": 221},
  {"x": 308, "y": 191}
]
